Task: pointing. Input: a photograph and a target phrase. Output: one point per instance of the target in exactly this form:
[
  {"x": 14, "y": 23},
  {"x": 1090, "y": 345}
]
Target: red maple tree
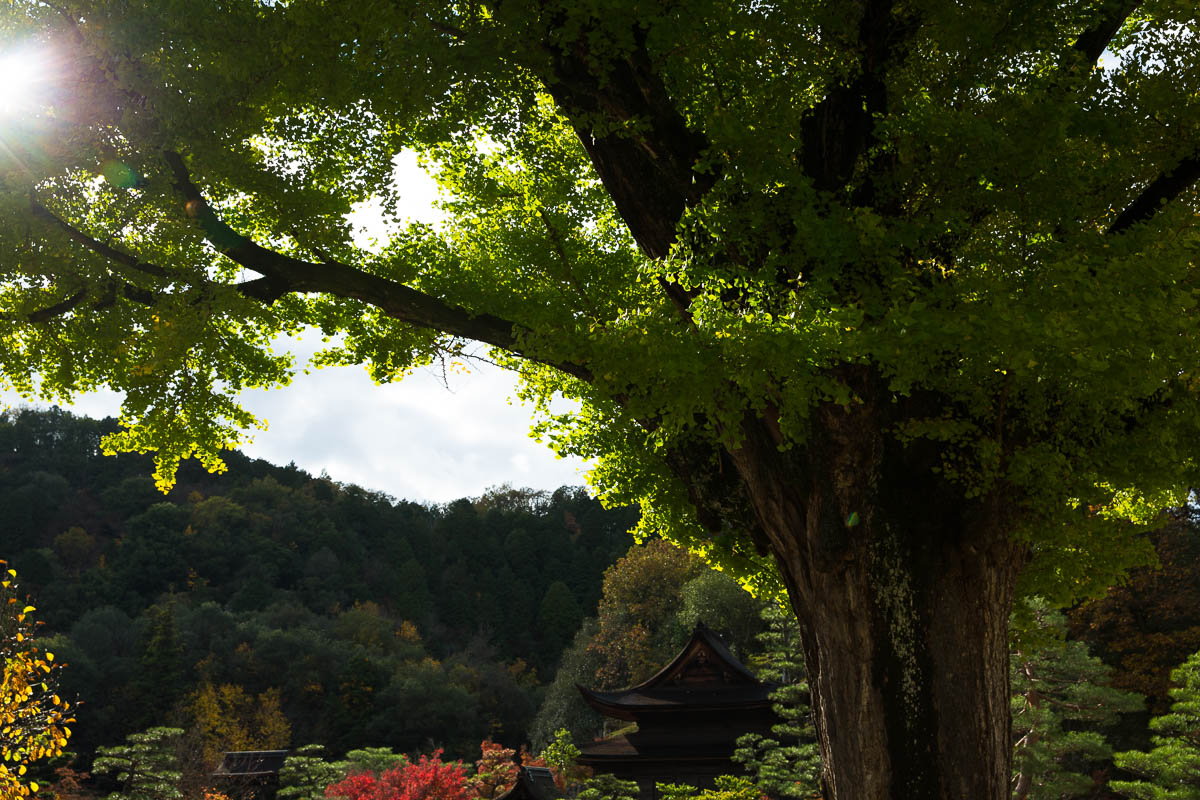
[{"x": 429, "y": 778}]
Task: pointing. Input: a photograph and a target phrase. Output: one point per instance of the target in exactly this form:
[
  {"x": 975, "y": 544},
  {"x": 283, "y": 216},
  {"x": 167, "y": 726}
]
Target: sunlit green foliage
[
  {"x": 605, "y": 786},
  {"x": 1013, "y": 329},
  {"x": 726, "y": 787}
]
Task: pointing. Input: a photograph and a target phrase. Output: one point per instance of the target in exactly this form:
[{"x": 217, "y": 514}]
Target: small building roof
[
  {"x": 533, "y": 783},
  {"x": 703, "y": 676},
  {"x": 251, "y": 763}
]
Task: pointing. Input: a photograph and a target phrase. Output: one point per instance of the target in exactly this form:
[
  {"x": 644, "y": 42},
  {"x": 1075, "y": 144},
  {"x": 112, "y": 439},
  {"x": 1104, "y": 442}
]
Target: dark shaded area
[{"x": 1148, "y": 626}]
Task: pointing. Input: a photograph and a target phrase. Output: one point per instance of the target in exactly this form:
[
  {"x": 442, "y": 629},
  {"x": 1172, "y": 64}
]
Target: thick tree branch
[
  {"x": 136, "y": 293},
  {"x": 1160, "y": 191},
  {"x": 649, "y": 170},
  {"x": 284, "y": 274},
  {"x": 1094, "y": 41},
  {"x": 839, "y": 129},
  {"x": 58, "y": 309},
  {"x": 105, "y": 300},
  {"x": 96, "y": 246}
]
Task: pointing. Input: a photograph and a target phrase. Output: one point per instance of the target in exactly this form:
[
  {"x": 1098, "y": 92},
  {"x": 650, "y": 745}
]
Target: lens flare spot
[{"x": 119, "y": 174}]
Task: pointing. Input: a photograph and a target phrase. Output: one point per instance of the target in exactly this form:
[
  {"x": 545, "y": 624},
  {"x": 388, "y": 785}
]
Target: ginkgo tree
[
  {"x": 899, "y": 293},
  {"x": 34, "y": 720}
]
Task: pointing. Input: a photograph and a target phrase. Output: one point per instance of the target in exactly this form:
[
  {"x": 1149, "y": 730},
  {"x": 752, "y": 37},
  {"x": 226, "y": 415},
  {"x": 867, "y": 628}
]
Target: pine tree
[
  {"x": 305, "y": 774},
  {"x": 1061, "y": 702},
  {"x": 1173, "y": 766},
  {"x": 788, "y": 765},
  {"x": 146, "y": 766},
  {"x": 606, "y": 786}
]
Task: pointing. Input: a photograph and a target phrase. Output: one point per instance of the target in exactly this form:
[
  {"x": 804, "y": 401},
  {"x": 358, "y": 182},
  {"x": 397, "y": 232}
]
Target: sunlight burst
[{"x": 23, "y": 75}]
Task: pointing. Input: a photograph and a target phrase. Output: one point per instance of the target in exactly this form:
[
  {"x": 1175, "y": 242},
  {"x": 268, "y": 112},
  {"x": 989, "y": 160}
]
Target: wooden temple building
[
  {"x": 533, "y": 783},
  {"x": 249, "y": 774},
  {"x": 689, "y": 716}
]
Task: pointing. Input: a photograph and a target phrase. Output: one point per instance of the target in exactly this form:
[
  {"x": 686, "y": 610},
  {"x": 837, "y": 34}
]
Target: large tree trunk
[{"x": 903, "y": 587}]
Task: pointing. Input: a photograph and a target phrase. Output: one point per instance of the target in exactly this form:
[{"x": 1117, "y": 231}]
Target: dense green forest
[{"x": 266, "y": 597}]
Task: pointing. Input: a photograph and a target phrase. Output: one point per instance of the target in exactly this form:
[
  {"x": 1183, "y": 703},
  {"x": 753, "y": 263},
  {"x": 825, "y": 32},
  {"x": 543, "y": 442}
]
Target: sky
[{"x": 420, "y": 439}]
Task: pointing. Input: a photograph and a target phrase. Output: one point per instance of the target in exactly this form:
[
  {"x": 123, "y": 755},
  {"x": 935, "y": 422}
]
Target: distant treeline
[{"x": 364, "y": 619}]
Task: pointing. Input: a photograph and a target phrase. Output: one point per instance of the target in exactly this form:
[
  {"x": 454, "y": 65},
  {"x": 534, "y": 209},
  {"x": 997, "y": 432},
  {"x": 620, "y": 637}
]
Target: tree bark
[{"x": 903, "y": 587}]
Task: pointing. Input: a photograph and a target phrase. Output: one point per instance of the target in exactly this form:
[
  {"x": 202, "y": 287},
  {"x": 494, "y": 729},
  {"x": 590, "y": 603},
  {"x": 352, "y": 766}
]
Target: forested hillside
[{"x": 266, "y": 602}]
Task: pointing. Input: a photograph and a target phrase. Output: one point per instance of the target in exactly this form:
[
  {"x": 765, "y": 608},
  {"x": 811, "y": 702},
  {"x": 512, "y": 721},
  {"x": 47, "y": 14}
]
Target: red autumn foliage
[{"x": 427, "y": 779}]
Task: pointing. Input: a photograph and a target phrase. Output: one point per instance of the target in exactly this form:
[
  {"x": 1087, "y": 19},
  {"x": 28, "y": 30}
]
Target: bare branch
[
  {"x": 284, "y": 274},
  {"x": 1160, "y": 191}
]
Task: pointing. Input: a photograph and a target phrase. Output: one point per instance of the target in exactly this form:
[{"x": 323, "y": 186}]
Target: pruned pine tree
[
  {"x": 605, "y": 786},
  {"x": 305, "y": 775},
  {"x": 725, "y": 787},
  {"x": 1061, "y": 704},
  {"x": 145, "y": 767},
  {"x": 1171, "y": 770},
  {"x": 787, "y": 765}
]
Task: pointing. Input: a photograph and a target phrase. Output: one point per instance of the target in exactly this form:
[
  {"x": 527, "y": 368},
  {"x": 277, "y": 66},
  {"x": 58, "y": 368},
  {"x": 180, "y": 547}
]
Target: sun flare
[{"x": 22, "y": 80}]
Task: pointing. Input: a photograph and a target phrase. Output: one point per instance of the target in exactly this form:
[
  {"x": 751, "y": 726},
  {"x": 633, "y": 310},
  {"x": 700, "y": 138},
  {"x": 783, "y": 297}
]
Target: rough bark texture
[{"x": 903, "y": 589}]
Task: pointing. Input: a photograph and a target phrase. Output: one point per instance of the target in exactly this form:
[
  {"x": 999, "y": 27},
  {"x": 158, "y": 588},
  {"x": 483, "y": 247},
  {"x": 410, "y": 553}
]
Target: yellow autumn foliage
[{"x": 34, "y": 720}]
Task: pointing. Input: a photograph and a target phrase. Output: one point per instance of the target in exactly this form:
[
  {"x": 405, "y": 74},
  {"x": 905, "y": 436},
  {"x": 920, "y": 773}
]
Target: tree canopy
[{"x": 901, "y": 293}]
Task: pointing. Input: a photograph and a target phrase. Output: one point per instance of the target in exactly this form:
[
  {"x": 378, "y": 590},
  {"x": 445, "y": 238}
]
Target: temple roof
[
  {"x": 624, "y": 749},
  {"x": 247, "y": 763},
  {"x": 533, "y": 783},
  {"x": 704, "y": 676}
]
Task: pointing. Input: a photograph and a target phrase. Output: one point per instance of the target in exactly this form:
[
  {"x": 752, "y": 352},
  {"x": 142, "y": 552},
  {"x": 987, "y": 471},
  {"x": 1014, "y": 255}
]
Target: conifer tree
[
  {"x": 147, "y": 766},
  {"x": 788, "y": 765},
  {"x": 305, "y": 775},
  {"x": 606, "y": 786},
  {"x": 1171, "y": 770},
  {"x": 1061, "y": 702}
]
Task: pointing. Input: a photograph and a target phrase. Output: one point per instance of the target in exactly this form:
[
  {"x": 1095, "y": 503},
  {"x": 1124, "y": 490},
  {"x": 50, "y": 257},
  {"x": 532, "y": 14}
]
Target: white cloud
[{"x": 415, "y": 440}]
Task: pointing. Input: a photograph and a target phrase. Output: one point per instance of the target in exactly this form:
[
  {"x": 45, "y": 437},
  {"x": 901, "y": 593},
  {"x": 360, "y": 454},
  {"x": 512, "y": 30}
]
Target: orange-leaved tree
[
  {"x": 33, "y": 718},
  {"x": 495, "y": 771}
]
